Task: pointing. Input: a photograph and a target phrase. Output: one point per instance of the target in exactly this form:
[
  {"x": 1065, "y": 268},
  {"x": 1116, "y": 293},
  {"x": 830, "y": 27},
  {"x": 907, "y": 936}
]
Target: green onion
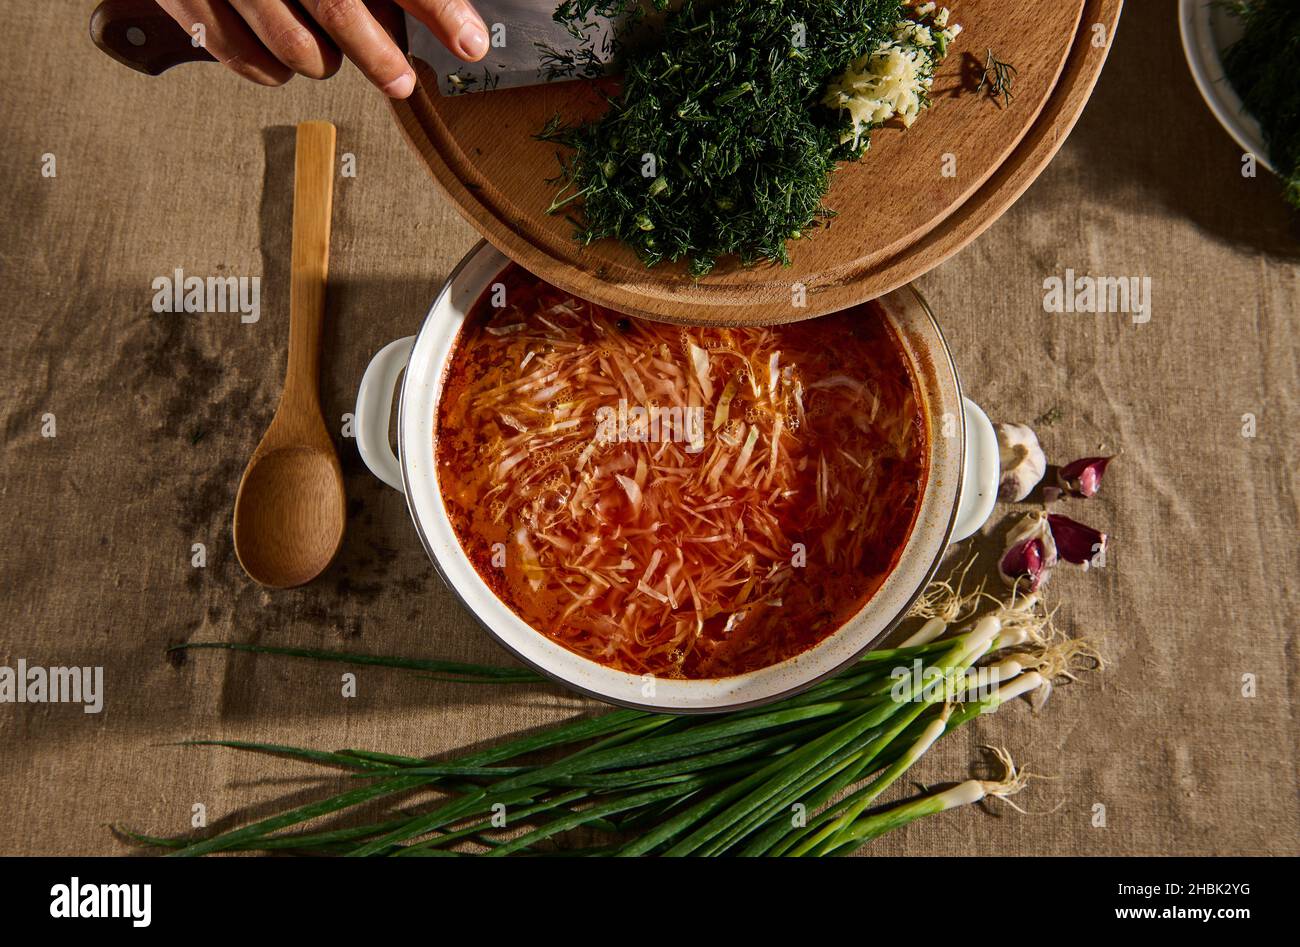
[
  {"x": 454, "y": 670},
  {"x": 643, "y": 783}
]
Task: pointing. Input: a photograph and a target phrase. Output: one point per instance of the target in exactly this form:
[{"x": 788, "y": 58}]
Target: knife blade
[{"x": 525, "y": 47}]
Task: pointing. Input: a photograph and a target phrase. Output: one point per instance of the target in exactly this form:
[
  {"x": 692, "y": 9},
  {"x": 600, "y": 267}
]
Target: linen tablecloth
[{"x": 154, "y": 415}]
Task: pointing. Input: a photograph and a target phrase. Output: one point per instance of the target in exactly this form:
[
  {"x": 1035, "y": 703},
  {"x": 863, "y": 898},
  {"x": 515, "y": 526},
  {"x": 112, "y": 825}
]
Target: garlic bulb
[{"x": 1022, "y": 461}]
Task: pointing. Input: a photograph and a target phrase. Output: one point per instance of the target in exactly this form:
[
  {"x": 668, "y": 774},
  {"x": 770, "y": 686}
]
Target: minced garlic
[{"x": 895, "y": 79}]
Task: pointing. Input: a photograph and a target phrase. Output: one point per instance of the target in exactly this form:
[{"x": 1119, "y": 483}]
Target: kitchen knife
[{"x": 525, "y": 47}]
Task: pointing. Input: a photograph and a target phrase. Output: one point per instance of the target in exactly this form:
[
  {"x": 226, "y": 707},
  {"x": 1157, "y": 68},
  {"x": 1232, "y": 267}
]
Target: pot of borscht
[{"x": 677, "y": 518}]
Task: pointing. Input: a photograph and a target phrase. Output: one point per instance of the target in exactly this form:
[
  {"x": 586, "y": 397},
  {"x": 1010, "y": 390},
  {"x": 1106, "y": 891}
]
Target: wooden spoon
[{"x": 291, "y": 508}]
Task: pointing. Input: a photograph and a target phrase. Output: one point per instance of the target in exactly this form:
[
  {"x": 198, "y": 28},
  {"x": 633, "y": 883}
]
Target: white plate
[{"x": 1207, "y": 31}]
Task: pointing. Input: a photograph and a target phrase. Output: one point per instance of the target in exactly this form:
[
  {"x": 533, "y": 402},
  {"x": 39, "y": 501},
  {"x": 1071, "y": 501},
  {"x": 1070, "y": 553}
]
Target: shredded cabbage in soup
[{"x": 690, "y": 503}]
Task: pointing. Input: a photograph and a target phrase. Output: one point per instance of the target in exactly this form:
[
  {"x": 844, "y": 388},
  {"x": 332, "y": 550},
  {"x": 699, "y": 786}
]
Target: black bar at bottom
[{"x": 559, "y": 897}]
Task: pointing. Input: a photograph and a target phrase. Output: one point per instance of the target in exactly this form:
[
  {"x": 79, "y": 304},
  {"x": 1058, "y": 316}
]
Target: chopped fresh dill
[
  {"x": 465, "y": 81},
  {"x": 717, "y": 143},
  {"x": 581, "y": 17},
  {"x": 1264, "y": 68},
  {"x": 580, "y": 63}
]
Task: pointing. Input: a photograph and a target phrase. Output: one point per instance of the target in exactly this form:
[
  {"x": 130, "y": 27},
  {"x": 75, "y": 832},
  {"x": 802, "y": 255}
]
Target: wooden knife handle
[{"x": 139, "y": 34}]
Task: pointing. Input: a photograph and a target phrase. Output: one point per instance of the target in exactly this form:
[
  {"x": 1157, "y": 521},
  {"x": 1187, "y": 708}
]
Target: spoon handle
[{"x": 313, "y": 202}]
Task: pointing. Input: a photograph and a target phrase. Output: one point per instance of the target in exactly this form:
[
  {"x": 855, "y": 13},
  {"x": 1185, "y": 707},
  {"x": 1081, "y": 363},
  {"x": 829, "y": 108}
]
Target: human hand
[{"x": 268, "y": 41}]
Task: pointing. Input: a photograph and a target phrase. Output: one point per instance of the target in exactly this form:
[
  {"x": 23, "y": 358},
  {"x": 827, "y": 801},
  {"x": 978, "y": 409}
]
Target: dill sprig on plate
[
  {"x": 1264, "y": 68},
  {"x": 716, "y": 144}
]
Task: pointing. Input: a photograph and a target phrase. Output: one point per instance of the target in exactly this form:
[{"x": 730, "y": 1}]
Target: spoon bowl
[
  {"x": 291, "y": 507},
  {"x": 289, "y": 515}
]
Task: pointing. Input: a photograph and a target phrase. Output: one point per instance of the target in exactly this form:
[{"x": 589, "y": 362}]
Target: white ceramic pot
[{"x": 958, "y": 497}]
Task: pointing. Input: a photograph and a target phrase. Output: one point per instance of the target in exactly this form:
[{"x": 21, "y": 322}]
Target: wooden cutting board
[{"x": 900, "y": 214}]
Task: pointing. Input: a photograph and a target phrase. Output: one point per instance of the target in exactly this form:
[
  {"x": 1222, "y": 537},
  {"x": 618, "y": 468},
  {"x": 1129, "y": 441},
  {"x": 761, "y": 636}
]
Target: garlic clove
[
  {"x": 1030, "y": 553},
  {"x": 1075, "y": 541},
  {"x": 1022, "y": 565},
  {"x": 1021, "y": 459},
  {"x": 1083, "y": 477}
]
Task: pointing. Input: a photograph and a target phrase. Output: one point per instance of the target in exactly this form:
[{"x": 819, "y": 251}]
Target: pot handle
[
  {"x": 980, "y": 482},
  {"x": 375, "y": 408}
]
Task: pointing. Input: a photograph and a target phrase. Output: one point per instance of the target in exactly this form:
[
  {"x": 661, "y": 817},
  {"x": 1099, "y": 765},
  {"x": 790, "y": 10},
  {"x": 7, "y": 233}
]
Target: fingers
[
  {"x": 291, "y": 37},
  {"x": 228, "y": 38},
  {"x": 366, "y": 43},
  {"x": 455, "y": 23},
  {"x": 268, "y": 40}
]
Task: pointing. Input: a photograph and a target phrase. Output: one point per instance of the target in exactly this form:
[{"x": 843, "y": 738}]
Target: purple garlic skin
[
  {"x": 1082, "y": 478},
  {"x": 1022, "y": 565},
  {"x": 1076, "y": 542},
  {"x": 1030, "y": 553}
]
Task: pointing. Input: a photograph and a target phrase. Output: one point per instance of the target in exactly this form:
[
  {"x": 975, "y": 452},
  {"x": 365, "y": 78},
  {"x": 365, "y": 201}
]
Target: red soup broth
[{"x": 681, "y": 502}]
